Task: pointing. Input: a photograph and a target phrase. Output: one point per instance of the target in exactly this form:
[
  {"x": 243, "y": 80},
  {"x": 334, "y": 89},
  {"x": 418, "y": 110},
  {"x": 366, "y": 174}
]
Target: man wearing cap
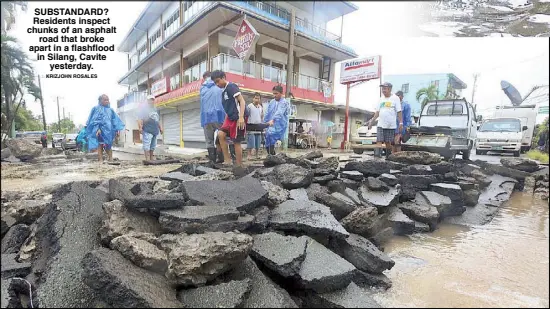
[
  {"x": 149, "y": 127},
  {"x": 388, "y": 109},
  {"x": 406, "y": 113}
]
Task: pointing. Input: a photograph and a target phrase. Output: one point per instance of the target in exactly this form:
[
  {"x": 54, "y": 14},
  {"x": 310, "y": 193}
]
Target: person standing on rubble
[
  {"x": 401, "y": 136},
  {"x": 277, "y": 117},
  {"x": 388, "y": 109},
  {"x": 102, "y": 126},
  {"x": 212, "y": 116},
  {"x": 149, "y": 127}
]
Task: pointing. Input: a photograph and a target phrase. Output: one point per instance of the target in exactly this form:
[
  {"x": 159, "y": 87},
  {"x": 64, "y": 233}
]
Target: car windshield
[
  {"x": 501, "y": 125},
  {"x": 71, "y": 136},
  {"x": 58, "y": 135}
]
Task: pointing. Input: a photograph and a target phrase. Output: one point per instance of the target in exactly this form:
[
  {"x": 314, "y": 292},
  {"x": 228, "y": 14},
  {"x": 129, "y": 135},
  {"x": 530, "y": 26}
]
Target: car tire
[
  {"x": 478, "y": 152},
  {"x": 517, "y": 153},
  {"x": 358, "y": 151}
]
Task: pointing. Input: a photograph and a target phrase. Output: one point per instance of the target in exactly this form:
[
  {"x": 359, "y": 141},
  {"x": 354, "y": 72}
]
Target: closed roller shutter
[
  {"x": 171, "y": 125},
  {"x": 192, "y": 130}
]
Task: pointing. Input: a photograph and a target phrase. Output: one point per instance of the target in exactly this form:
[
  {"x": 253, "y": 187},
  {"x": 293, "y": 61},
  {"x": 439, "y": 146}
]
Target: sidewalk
[{"x": 164, "y": 150}]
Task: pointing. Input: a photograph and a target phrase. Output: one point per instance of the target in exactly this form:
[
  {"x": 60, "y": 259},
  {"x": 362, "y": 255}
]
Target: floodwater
[{"x": 501, "y": 264}]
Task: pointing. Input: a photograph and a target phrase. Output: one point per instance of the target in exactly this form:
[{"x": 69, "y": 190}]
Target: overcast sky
[{"x": 385, "y": 29}]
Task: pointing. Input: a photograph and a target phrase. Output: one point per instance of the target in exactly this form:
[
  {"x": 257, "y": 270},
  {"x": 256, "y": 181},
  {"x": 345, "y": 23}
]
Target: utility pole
[
  {"x": 42, "y": 103},
  {"x": 58, "y": 116},
  {"x": 289, "y": 69},
  {"x": 474, "y": 90},
  {"x": 63, "y": 112}
]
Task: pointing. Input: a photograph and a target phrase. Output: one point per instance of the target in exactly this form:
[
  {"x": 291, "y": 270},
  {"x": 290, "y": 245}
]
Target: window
[
  {"x": 445, "y": 109},
  {"x": 405, "y": 88},
  {"x": 155, "y": 39},
  {"x": 142, "y": 52},
  {"x": 501, "y": 125},
  {"x": 171, "y": 24}
]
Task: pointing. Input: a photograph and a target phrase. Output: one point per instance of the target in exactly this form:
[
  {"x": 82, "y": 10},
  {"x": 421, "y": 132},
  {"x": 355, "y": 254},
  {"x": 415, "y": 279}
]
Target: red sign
[
  {"x": 245, "y": 39},
  {"x": 180, "y": 92},
  {"x": 161, "y": 86}
]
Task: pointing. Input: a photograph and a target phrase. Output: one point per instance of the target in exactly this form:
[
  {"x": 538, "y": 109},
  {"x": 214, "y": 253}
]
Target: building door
[
  {"x": 171, "y": 125},
  {"x": 192, "y": 130}
]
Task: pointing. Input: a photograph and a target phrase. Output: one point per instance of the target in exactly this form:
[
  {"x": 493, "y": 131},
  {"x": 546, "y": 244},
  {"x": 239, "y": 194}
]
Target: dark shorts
[
  {"x": 102, "y": 143},
  {"x": 385, "y": 135},
  {"x": 230, "y": 128}
]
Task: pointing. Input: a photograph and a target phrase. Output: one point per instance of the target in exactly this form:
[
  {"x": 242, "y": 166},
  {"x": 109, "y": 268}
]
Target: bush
[{"x": 537, "y": 155}]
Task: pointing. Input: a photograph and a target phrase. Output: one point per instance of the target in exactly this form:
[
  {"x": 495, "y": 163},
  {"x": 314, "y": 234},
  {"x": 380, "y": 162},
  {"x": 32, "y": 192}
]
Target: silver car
[
  {"x": 69, "y": 142},
  {"x": 57, "y": 139}
]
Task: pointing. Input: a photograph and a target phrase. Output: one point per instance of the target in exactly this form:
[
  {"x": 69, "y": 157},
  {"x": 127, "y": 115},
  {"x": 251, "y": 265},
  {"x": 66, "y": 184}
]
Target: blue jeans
[
  {"x": 254, "y": 140},
  {"x": 149, "y": 141}
]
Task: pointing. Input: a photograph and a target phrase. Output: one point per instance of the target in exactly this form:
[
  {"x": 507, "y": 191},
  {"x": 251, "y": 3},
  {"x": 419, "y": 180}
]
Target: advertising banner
[
  {"x": 245, "y": 39},
  {"x": 360, "y": 69}
]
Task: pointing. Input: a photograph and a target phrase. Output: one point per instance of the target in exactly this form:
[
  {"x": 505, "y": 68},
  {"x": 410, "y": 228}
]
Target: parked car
[
  {"x": 69, "y": 142},
  {"x": 57, "y": 138},
  {"x": 38, "y": 137},
  {"x": 364, "y": 139}
]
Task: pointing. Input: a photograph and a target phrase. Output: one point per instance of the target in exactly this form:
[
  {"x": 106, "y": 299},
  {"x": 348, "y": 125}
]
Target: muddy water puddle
[
  {"x": 501, "y": 264},
  {"x": 28, "y": 177}
]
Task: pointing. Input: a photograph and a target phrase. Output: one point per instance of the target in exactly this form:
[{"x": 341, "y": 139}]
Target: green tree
[
  {"x": 67, "y": 126},
  {"x": 26, "y": 121},
  {"x": 424, "y": 95},
  {"x": 17, "y": 79}
]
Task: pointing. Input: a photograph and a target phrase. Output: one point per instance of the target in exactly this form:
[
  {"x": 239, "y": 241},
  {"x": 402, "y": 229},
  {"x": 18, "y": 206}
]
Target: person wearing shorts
[
  {"x": 150, "y": 127},
  {"x": 388, "y": 109},
  {"x": 234, "y": 125}
]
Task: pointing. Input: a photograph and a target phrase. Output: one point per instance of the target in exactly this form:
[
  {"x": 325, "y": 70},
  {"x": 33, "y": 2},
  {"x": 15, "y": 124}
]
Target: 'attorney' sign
[{"x": 245, "y": 39}]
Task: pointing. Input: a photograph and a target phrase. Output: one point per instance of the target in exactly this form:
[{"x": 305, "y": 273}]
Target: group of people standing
[
  {"x": 226, "y": 119},
  {"x": 394, "y": 122}
]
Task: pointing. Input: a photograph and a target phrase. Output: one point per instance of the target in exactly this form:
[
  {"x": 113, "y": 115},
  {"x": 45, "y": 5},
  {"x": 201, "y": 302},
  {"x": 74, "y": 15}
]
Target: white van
[{"x": 500, "y": 135}]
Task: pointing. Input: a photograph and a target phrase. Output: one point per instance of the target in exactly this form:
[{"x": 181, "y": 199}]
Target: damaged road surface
[{"x": 298, "y": 232}]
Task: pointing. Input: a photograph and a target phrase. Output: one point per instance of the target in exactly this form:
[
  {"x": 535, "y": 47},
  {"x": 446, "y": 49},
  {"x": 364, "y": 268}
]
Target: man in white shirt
[{"x": 388, "y": 109}]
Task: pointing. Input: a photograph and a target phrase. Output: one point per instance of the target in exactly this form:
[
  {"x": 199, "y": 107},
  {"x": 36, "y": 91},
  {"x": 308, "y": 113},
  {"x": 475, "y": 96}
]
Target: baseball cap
[
  {"x": 389, "y": 85},
  {"x": 150, "y": 97}
]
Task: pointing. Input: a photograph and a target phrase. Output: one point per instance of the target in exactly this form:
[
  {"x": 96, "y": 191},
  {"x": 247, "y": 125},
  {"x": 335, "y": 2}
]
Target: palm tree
[
  {"x": 9, "y": 12},
  {"x": 17, "y": 78},
  {"x": 424, "y": 95}
]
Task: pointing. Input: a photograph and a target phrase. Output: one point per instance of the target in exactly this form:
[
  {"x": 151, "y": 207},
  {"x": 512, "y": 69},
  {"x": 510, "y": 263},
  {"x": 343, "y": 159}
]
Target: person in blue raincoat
[
  {"x": 81, "y": 140},
  {"x": 212, "y": 115},
  {"x": 276, "y": 116},
  {"x": 101, "y": 128}
]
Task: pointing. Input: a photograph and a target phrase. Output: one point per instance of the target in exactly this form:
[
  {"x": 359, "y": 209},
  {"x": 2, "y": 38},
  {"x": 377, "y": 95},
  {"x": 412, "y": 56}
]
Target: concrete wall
[{"x": 416, "y": 82}]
